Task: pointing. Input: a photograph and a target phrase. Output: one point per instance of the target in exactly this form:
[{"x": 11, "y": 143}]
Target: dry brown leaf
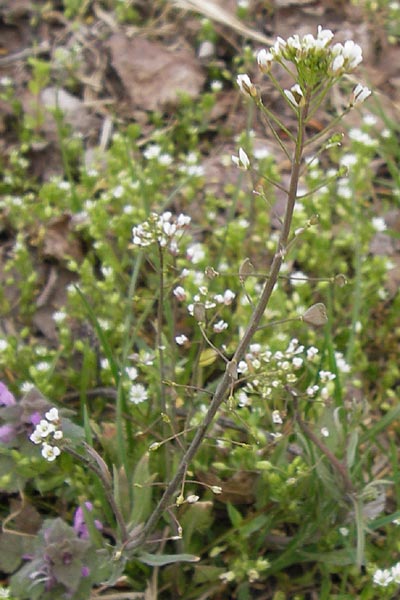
[
  {"x": 59, "y": 241},
  {"x": 75, "y": 112},
  {"x": 152, "y": 75}
]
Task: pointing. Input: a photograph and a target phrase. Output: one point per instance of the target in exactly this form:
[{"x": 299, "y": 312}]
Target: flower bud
[
  {"x": 295, "y": 95},
  {"x": 242, "y": 161},
  {"x": 360, "y": 93},
  {"x": 264, "y": 60},
  {"x": 246, "y": 85}
]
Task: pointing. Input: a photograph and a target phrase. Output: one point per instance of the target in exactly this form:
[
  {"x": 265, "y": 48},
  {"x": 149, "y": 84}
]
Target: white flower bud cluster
[
  {"x": 46, "y": 433},
  {"x": 314, "y": 58},
  {"x": 164, "y": 230},
  {"x": 339, "y": 58},
  {"x": 284, "y": 368}
]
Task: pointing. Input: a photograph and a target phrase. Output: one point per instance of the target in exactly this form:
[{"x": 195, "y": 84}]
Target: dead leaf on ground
[
  {"x": 75, "y": 112},
  {"x": 60, "y": 242},
  {"x": 153, "y": 76}
]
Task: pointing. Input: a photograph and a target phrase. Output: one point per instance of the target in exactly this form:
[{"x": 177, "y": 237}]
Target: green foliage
[{"x": 285, "y": 486}]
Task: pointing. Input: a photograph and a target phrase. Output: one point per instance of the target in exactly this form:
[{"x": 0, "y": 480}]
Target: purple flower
[
  {"x": 80, "y": 527},
  {"x": 7, "y": 434},
  {"x": 6, "y": 397},
  {"x": 35, "y": 418}
]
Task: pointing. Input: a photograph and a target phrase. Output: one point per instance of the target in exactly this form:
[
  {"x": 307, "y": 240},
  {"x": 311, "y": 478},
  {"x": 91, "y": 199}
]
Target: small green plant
[{"x": 217, "y": 390}]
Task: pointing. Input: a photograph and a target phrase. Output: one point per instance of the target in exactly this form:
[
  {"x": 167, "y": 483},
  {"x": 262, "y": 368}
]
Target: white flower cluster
[
  {"x": 46, "y": 433},
  {"x": 340, "y": 58},
  {"x": 383, "y": 577},
  {"x": 205, "y": 301},
  {"x": 314, "y": 58},
  {"x": 283, "y": 368},
  {"x": 165, "y": 230}
]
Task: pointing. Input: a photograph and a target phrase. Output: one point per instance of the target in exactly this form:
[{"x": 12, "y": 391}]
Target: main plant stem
[{"x": 228, "y": 377}]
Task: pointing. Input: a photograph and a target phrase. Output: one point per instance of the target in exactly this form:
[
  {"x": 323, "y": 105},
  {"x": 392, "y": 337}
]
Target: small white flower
[
  {"x": 243, "y": 399},
  {"x": 242, "y": 161},
  {"x": 242, "y": 367},
  {"x": 58, "y": 435},
  {"x": 312, "y": 390},
  {"x": 324, "y": 35},
  {"x": 276, "y": 417},
  {"x": 42, "y": 366},
  {"x": 195, "y": 253},
  {"x": 378, "y": 223},
  {"x": 370, "y": 120},
  {"x": 138, "y": 393},
  {"x": 220, "y": 326},
  {"x": 104, "y": 363},
  {"x": 52, "y": 414},
  {"x": 382, "y": 577},
  {"x": 36, "y": 438},
  {"x": 297, "y": 362},
  {"x": 183, "y": 221},
  {"x": 59, "y": 316},
  {"x": 50, "y": 453},
  {"x": 181, "y": 339},
  {"x": 3, "y": 345},
  {"x": 226, "y": 298},
  {"x": 337, "y": 64},
  {"x": 395, "y": 571},
  {"x": 26, "y": 387},
  {"x": 165, "y": 160},
  {"x": 352, "y": 54},
  {"x": 325, "y": 432},
  {"x": 44, "y": 428},
  {"x": 261, "y": 153},
  {"x": 216, "y": 85},
  {"x": 344, "y": 531},
  {"x": 326, "y": 376},
  {"x": 152, "y": 151},
  {"x": 132, "y": 373},
  {"x": 312, "y": 353},
  {"x": 118, "y": 192},
  {"x": 341, "y": 364}
]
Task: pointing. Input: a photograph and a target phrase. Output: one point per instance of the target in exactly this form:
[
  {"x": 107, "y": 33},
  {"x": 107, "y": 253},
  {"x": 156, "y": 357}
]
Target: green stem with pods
[{"x": 230, "y": 375}]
